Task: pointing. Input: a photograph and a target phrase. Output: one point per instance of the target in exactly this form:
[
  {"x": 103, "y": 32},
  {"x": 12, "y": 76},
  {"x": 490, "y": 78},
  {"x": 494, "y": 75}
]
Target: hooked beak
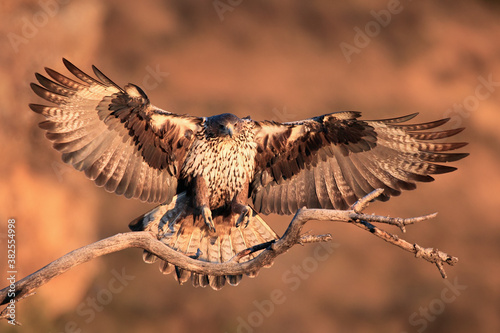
[{"x": 229, "y": 130}]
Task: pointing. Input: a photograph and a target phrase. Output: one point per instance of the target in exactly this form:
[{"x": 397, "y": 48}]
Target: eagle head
[{"x": 223, "y": 125}]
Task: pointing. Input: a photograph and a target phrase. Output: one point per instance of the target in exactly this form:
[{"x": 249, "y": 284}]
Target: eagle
[{"x": 227, "y": 169}]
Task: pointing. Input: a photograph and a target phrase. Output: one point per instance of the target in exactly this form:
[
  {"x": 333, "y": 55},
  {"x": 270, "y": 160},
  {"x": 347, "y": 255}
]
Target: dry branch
[{"x": 148, "y": 240}]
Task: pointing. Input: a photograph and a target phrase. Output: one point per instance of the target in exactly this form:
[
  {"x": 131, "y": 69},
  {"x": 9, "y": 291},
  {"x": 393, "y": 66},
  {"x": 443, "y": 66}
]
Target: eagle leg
[
  {"x": 238, "y": 207},
  {"x": 172, "y": 216},
  {"x": 207, "y": 217},
  {"x": 201, "y": 201}
]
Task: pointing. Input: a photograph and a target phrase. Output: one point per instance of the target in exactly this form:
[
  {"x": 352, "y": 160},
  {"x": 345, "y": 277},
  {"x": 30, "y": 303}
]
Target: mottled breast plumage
[{"x": 226, "y": 163}]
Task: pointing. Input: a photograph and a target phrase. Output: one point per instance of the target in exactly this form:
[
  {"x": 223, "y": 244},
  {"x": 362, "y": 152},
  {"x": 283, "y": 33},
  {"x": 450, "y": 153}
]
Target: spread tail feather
[{"x": 192, "y": 237}]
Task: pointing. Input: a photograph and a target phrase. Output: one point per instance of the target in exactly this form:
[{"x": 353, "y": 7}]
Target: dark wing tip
[
  {"x": 403, "y": 119},
  {"x": 39, "y": 77},
  {"x": 458, "y": 156},
  {"x": 39, "y": 90},
  {"x": 452, "y": 157},
  {"x": 438, "y": 123},
  {"x": 79, "y": 73},
  {"x": 51, "y": 72},
  {"x": 440, "y": 169},
  {"x": 451, "y": 132},
  {"x": 423, "y": 126},
  {"x": 51, "y": 96},
  {"x": 67, "y": 63},
  {"x": 38, "y": 108},
  {"x": 457, "y": 145},
  {"x": 397, "y": 120},
  {"x": 104, "y": 78},
  {"x": 418, "y": 135}
]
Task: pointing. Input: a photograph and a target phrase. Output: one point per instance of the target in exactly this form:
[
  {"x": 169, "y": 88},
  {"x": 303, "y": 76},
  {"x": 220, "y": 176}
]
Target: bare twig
[{"x": 149, "y": 241}]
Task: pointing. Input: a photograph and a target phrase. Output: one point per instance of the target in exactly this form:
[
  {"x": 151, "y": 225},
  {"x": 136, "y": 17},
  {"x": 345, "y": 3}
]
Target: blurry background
[{"x": 282, "y": 60}]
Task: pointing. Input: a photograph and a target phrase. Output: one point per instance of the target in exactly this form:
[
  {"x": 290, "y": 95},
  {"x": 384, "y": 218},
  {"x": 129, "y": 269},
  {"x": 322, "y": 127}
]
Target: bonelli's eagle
[{"x": 131, "y": 147}]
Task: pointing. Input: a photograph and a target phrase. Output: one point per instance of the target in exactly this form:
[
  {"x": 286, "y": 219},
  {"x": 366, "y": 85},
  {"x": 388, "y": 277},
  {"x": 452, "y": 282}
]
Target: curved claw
[
  {"x": 207, "y": 217},
  {"x": 244, "y": 217}
]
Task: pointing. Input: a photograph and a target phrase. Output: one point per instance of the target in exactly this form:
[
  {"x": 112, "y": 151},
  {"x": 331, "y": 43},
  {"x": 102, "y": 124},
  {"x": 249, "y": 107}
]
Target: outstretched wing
[
  {"x": 332, "y": 160},
  {"x": 114, "y": 134}
]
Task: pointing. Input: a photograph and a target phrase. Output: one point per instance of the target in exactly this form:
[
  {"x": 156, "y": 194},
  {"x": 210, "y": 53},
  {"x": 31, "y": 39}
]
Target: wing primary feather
[
  {"x": 53, "y": 86},
  {"x": 47, "y": 94},
  {"x": 104, "y": 78},
  {"x": 396, "y": 120},
  {"x": 422, "y": 126},
  {"x": 435, "y": 135},
  {"x": 80, "y": 74},
  {"x": 65, "y": 81}
]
